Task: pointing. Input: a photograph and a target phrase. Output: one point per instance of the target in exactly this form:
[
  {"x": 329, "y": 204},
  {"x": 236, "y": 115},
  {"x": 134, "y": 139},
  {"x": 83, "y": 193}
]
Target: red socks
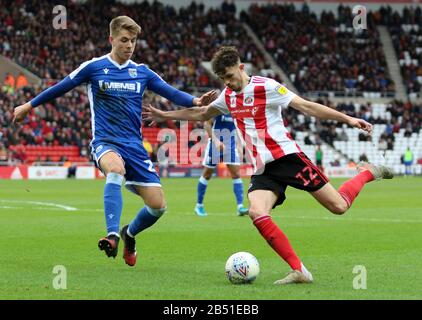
[
  {"x": 351, "y": 188},
  {"x": 277, "y": 240}
]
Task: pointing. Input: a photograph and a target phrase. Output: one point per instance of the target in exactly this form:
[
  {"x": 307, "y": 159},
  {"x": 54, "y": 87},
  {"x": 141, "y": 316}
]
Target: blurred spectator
[
  {"x": 408, "y": 161},
  {"x": 390, "y": 144},
  {"x": 9, "y": 80},
  {"x": 364, "y": 137},
  {"x": 71, "y": 169},
  {"x": 363, "y": 157},
  {"x": 382, "y": 144},
  {"x": 335, "y": 162},
  {"x": 19, "y": 155},
  {"x": 318, "y": 158},
  {"x": 3, "y": 153},
  {"x": 9, "y": 84},
  {"x": 308, "y": 140},
  {"x": 342, "y": 136},
  {"x": 229, "y": 7},
  {"x": 21, "y": 81}
]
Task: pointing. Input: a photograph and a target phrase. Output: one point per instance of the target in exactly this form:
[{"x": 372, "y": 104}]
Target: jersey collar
[{"x": 120, "y": 66}]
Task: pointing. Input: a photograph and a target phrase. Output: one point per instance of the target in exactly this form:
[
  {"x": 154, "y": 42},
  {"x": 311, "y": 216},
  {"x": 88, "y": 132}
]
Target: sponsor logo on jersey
[
  {"x": 99, "y": 148},
  {"x": 281, "y": 90},
  {"x": 254, "y": 110},
  {"x": 119, "y": 86},
  {"x": 233, "y": 101},
  {"x": 133, "y": 72},
  {"x": 105, "y": 70},
  {"x": 225, "y": 118}
]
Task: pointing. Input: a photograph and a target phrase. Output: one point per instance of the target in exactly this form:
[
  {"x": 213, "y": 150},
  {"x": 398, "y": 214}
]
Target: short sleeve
[
  {"x": 279, "y": 94},
  {"x": 220, "y": 103}
]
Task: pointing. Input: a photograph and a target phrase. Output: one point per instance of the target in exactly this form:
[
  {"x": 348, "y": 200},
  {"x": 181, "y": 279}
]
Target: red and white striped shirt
[{"x": 256, "y": 111}]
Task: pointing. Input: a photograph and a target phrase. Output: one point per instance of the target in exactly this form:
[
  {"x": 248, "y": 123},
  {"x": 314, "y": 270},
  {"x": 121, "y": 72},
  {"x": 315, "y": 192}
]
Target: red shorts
[{"x": 295, "y": 170}]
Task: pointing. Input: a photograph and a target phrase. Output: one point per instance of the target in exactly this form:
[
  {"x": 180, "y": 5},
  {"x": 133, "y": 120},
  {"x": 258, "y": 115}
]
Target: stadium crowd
[
  {"x": 27, "y": 36},
  {"x": 322, "y": 54},
  {"x": 406, "y": 33},
  {"x": 54, "y": 123}
]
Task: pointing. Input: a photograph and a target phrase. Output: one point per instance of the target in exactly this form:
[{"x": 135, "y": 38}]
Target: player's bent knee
[
  {"x": 207, "y": 174},
  {"x": 157, "y": 212},
  {"x": 339, "y": 208},
  {"x": 255, "y": 212},
  {"x": 117, "y": 169}
]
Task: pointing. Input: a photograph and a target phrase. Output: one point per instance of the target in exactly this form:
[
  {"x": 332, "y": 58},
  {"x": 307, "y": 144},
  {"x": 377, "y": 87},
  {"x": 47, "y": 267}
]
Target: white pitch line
[{"x": 48, "y": 204}]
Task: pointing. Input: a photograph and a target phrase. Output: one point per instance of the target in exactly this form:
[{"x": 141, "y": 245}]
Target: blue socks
[
  {"x": 238, "y": 190},
  {"x": 202, "y": 187},
  {"x": 113, "y": 205},
  {"x": 146, "y": 218},
  {"x": 113, "y": 202}
]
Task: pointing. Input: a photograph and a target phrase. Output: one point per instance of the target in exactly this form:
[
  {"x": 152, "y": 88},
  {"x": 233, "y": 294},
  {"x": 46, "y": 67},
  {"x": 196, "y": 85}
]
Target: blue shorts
[
  {"x": 213, "y": 156},
  {"x": 140, "y": 170}
]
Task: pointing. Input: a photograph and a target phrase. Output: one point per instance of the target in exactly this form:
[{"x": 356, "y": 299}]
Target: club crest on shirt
[
  {"x": 133, "y": 72},
  {"x": 248, "y": 100}
]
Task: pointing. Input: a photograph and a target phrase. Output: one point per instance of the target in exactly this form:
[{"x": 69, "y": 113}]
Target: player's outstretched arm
[
  {"x": 20, "y": 112},
  {"x": 155, "y": 115},
  {"x": 320, "y": 111},
  {"x": 181, "y": 98}
]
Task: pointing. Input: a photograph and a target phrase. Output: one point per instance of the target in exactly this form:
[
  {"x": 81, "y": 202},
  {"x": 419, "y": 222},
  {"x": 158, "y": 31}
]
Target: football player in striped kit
[{"x": 255, "y": 104}]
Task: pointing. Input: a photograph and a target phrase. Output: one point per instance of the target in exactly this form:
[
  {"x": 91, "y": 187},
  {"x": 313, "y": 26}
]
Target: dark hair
[{"x": 225, "y": 57}]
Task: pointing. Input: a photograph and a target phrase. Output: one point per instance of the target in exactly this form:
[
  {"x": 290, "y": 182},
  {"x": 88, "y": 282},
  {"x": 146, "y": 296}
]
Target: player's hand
[
  {"x": 149, "y": 113},
  {"x": 206, "y": 98},
  {"x": 361, "y": 124},
  {"x": 21, "y": 112}
]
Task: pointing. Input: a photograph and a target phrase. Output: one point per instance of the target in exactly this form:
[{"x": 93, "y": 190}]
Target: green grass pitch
[{"x": 183, "y": 256}]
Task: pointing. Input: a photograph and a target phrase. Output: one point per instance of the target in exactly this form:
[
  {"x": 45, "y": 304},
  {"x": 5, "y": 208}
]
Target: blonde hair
[{"x": 124, "y": 22}]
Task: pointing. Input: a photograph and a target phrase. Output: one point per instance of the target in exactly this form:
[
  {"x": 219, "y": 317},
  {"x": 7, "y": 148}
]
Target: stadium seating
[
  {"x": 406, "y": 34},
  {"x": 323, "y": 54},
  {"x": 51, "y": 153},
  {"x": 345, "y": 63}
]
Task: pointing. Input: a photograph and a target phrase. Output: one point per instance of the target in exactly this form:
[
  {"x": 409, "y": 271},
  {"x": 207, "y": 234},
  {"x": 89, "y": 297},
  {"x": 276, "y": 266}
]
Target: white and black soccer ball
[{"x": 242, "y": 267}]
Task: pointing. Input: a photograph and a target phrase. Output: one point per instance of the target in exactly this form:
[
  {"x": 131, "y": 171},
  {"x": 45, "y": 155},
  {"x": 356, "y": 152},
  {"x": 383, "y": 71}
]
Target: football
[{"x": 241, "y": 268}]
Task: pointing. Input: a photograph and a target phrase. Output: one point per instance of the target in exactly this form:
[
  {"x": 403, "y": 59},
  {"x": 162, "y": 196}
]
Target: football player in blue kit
[
  {"x": 221, "y": 148},
  {"x": 115, "y": 86}
]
